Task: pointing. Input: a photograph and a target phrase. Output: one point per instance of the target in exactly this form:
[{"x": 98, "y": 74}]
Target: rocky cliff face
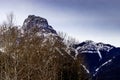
[{"x": 37, "y": 22}]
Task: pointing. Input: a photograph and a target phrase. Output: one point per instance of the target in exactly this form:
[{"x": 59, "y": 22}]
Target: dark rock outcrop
[{"x": 37, "y": 22}]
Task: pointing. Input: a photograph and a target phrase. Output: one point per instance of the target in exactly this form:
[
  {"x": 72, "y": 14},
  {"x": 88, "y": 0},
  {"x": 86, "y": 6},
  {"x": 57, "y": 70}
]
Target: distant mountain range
[{"x": 102, "y": 61}]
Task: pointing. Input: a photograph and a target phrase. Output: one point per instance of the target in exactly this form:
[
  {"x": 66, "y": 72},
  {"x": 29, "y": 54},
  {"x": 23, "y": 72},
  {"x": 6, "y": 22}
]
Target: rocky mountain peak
[{"x": 33, "y": 21}]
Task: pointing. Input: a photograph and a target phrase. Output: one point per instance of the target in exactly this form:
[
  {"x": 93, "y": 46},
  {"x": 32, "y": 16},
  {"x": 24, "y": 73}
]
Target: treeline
[{"x": 30, "y": 56}]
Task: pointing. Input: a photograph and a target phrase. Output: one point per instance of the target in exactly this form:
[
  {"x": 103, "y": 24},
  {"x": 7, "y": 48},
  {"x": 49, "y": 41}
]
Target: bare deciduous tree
[
  {"x": 28, "y": 56},
  {"x": 10, "y": 19}
]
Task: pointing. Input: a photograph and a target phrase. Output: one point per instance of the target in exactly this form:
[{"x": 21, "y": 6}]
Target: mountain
[
  {"x": 110, "y": 70},
  {"x": 37, "y": 22},
  {"x": 38, "y": 50},
  {"x": 98, "y": 58},
  {"x": 54, "y": 44},
  {"x": 40, "y": 27},
  {"x": 101, "y": 61}
]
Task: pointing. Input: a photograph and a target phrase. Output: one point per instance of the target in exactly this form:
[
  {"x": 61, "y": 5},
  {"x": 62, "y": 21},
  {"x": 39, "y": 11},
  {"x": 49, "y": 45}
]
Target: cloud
[{"x": 84, "y": 19}]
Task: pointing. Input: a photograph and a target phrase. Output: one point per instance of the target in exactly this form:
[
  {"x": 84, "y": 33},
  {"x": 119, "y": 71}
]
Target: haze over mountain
[{"x": 96, "y": 20}]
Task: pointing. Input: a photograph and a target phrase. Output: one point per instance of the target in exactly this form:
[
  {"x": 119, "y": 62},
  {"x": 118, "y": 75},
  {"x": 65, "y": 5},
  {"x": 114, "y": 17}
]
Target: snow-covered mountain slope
[
  {"x": 96, "y": 55},
  {"x": 110, "y": 70},
  {"x": 92, "y": 47}
]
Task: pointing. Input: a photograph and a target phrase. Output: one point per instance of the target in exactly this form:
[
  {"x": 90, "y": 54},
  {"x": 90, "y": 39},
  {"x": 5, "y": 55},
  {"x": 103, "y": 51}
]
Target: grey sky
[{"x": 97, "y": 20}]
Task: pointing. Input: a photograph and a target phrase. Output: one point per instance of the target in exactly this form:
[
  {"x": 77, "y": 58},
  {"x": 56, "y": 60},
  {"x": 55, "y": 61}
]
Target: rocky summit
[{"x": 37, "y": 22}]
